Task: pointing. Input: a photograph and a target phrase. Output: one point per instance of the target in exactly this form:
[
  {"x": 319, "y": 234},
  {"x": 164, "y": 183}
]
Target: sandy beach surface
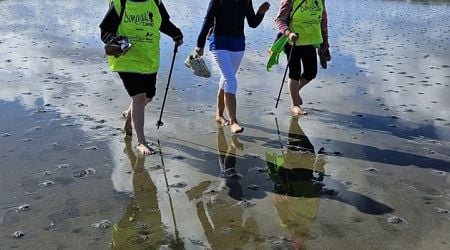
[{"x": 367, "y": 168}]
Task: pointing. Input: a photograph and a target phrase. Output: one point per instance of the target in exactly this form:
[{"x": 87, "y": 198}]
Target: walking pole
[
  {"x": 282, "y": 151},
  {"x": 159, "y": 122},
  {"x": 279, "y": 137},
  {"x": 285, "y": 72},
  {"x": 168, "y": 192}
]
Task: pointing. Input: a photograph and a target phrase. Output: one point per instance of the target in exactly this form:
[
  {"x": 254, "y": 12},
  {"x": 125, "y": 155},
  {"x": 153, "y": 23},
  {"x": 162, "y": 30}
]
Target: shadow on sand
[
  {"x": 374, "y": 154},
  {"x": 297, "y": 172}
]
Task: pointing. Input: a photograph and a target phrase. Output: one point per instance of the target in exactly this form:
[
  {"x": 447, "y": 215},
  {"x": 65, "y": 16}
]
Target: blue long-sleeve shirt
[{"x": 224, "y": 21}]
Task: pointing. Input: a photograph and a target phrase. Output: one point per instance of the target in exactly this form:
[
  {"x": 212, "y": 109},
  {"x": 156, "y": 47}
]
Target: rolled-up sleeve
[
  {"x": 283, "y": 15},
  {"x": 324, "y": 23}
]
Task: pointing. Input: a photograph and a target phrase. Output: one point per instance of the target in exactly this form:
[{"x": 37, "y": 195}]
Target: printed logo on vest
[
  {"x": 143, "y": 19},
  {"x": 311, "y": 8}
]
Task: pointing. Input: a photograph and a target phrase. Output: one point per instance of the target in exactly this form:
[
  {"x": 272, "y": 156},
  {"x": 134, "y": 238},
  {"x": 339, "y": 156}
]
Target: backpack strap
[
  {"x": 292, "y": 14},
  {"x": 122, "y": 9}
]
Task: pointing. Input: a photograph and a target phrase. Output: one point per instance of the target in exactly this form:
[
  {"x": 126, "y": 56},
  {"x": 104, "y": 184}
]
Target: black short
[
  {"x": 305, "y": 55},
  {"x": 136, "y": 83}
]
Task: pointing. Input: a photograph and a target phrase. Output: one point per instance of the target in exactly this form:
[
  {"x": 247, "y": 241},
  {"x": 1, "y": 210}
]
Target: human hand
[
  {"x": 179, "y": 42},
  {"x": 199, "y": 51},
  {"x": 293, "y": 37},
  {"x": 178, "y": 39},
  {"x": 117, "y": 47},
  {"x": 125, "y": 45},
  {"x": 263, "y": 8}
]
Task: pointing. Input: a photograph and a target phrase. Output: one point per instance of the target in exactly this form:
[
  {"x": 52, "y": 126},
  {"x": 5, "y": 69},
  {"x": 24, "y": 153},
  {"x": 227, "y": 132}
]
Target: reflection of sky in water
[
  {"x": 401, "y": 57},
  {"x": 396, "y": 51},
  {"x": 374, "y": 52}
]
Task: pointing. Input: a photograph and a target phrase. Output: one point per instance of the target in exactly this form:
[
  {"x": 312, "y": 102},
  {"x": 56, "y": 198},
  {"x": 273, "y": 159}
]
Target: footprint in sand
[
  {"x": 246, "y": 204},
  {"x": 24, "y": 207},
  {"x": 396, "y": 220},
  {"x": 85, "y": 173},
  {"x": 46, "y": 173},
  {"x": 18, "y": 234},
  {"x": 441, "y": 210},
  {"x": 438, "y": 172},
  {"x": 47, "y": 183},
  {"x": 96, "y": 127},
  {"x": 179, "y": 185},
  {"x": 422, "y": 189},
  {"x": 60, "y": 166},
  {"x": 253, "y": 187},
  {"x": 257, "y": 170},
  {"x": 371, "y": 170},
  {"x": 103, "y": 224}
]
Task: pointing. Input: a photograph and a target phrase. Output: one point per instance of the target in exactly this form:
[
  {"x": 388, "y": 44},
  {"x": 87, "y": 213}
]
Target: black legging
[{"x": 302, "y": 54}]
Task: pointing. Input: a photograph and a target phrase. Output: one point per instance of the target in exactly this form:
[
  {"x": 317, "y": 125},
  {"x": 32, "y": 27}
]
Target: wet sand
[{"x": 368, "y": 168}]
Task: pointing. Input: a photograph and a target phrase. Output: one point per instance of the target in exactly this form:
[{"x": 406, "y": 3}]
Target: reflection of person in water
[
  {"x": 227, "y": 154},
  {"x": 297, "y": 173},
  {"x": 141, "y": 226},
  {"x": 217, "y": 204}
]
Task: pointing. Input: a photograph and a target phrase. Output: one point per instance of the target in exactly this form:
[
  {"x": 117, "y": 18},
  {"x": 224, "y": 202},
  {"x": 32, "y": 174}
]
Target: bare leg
[
  {"x": 296, "y": 101},
  {"x": 138, "y": 116},
  {"x": 127, "y": 126},
  {"x": 302, "y": 84},
  {"x": 230, "y": 105},
  {"x": 294, "y": 87},
  {"x": 220, "y": 108}
]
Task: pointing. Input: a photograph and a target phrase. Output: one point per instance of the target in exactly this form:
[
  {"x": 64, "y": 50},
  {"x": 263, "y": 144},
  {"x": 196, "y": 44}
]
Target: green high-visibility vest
[
  {"x": 140, "y": 24},
  {"x": 306, "y": 21}
]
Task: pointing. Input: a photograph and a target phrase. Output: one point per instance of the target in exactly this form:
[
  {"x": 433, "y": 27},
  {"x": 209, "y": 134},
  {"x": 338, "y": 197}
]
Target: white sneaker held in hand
[{"x": 198, "y": 66}]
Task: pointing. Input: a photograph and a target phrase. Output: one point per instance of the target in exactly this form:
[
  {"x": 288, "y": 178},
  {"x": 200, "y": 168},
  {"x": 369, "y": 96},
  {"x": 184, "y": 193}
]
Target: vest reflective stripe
[
  {"x": 307, "y": 22},
  {"x": 140, "y": 23}
]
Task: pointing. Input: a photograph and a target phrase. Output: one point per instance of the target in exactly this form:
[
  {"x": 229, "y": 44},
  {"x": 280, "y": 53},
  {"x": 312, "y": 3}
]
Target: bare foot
[
  {"x": 236, "y": 129},
  {"x": 127, "y": 126},
  {"x": 222, "y": 121},
  {"x": 298, "y": 110},
  {"x": 144, "y": 149}
]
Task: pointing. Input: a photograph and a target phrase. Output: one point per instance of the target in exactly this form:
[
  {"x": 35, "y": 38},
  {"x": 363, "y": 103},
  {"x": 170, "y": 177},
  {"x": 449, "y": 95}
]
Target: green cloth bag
[{"x": 275, "y": 51}]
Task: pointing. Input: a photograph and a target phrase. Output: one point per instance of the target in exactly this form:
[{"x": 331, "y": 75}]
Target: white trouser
[{"x": 228, "y": 63}]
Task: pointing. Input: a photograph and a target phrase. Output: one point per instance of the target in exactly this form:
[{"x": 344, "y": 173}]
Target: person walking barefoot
[
  {"x": 139, "y": 66},
  {"x": 304, "y": 23},
  {"x": 224, "y": 28}
]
